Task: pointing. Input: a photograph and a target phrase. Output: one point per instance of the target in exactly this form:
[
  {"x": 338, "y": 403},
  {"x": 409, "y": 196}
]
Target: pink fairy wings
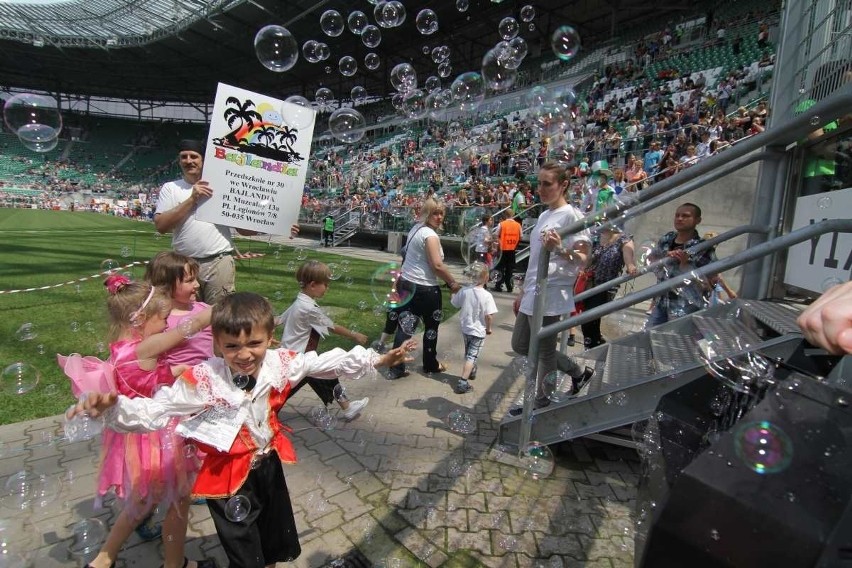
[{"x": 87, "y": 374}]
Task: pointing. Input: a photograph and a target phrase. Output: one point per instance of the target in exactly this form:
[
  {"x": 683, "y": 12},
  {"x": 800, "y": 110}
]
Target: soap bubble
[
  {"x": 372, "y": 61},
  {"x": 19, "y": 378},
  {"x": 357, "y": 21},
  {"x": 322, "y": 418},
  {"x": 300, "y": 114},
  {"x": 438, "y": 315},
  {"x": 331, "y": 23},
  {"x": 383, "y": 287},
  {"x": 310, "y": 52},
  {"x": 414, "y": 104},
  {"x": 432, "y": 84},
  {"x": 408, "y": 323},
  {"x": 440, "y": 54},
  {"x": 498, "y": 76},
  {"x": 557, "y": 386},
  {"x": 430, "y": 334},
  {"x": 109, "y": 265},
  {"x": 527, "y": 13},
  {"x": 339, "y": 393},
  {"x": 237, "y": 508},
  {"x": 403, "y": 77},
  {"x": 347, "y": 125},
  {"x": 82, "y": 426},
  {"x": 645, "y": 253},
  {"x": 358, "y": 94},
  {"x": 389, "y": 14},
  {"x": 438, "y": 102},
  {"x": 444, "y": 69},
  {"x": 508, "y": 28},
  {"x": 824, "y": 202},
  {"x": 830, "y": 283},
  {"x": 462, "y": 5},
  {"x": 347, "y": 66},
  {"x": 565, "y": 42},
  {"x": 276, "y": 48},
  {"x": 26, "y": 332},
  {"x": 35, "y": 119},
  {"x": 427, "y": 22},
  {"x": 537, "y": 460},
  {"x": 328, "y": 69},
  {"x": 763, "y": 447},
  {"x": 468, "y": 90},
  {"x": 86, "y": 538},
  {"x": 323, "y": 51},
  {"x": 461, "y": 422},
  {"x": 518, "y": 49},
  {"x": 323, "y": 97},
  {"x": 371, "y": 36}
]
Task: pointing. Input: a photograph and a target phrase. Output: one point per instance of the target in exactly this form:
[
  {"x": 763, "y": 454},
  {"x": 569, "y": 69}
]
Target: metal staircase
[
  {"x": 346, "y": 225},
  {"x": 633, "y": 372}
]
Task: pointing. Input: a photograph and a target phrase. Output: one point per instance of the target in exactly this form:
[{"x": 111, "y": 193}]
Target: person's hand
[
  {"x": 828, "y": 321},
  {"x": 516, "y": 305},
  {"x": 551, "y": 240},
  {"x": 177, "y": 370},
  {"x": 93, "y": 404},
  {"x": 201, "y": 190},
  {"x": 398, "y": 356},
  {"x": 294, "y": 230},
  {"x": 632, "y": 270},
  {"x": 359, "y": 338},
  {"x": 681, "y": 255}
]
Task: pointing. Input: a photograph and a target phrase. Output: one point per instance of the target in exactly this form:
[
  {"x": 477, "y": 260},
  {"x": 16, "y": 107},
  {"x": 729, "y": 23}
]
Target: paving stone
[{"x": 461, "y": 540}]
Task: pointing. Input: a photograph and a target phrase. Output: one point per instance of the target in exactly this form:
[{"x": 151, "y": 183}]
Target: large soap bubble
[
  {"x": 468, "y": 90},
  {"x": 371, "y": 36},
  {"x": 19, "y": 378},
  {"x": 309, "y": 51},
  {"x": 276, "y": 48},
  {"x": 300, "y": 115},
  {"x": 323, "y": 97},
  {"x": 527, "y": 13},
  {"x": 427, "y": 21},
  {"x": 372, "y": 61},
  {"x": 537, "y": 460},
  {"x": 763, "y": 447},
  {"x": 414, "y": 104},
  {"x": 565, "y": 42},
  {"x": 35, "y": 119},
  {"x": 440, "y": 54},
  {"x": 383, "y": 287},
  {"x": 86, "y": 538},
  {"x": 403, "y": 77},
  {"x": 358, "y": 94},
  {"x": 331, "y": 23},
  {"x": 508, "y": 28},
  {"x": 347, "y": 65},
  {"x": 357, "y": 21},
  {"x": 432, "y": 84},
  {"x": 498, "y": 76},
  {"x": 347, "y": 125}
]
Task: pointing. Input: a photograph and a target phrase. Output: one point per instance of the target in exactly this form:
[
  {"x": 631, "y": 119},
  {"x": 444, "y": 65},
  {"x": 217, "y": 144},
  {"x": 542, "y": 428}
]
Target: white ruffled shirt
[
  {"x": 215, "y": 388},
  {"x": 299, "y": 319}
]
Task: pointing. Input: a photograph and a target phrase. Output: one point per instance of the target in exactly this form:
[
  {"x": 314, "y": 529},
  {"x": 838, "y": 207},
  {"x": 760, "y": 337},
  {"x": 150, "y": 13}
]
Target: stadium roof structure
[{"x": 178, "y": 50}]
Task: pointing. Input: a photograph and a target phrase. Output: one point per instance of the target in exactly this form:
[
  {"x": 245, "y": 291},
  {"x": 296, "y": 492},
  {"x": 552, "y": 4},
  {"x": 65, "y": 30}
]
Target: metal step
[
  {"x": 633, "y": 372},
  {"x": 778, "y": 316},
  {"x": 344, "y": 235}
]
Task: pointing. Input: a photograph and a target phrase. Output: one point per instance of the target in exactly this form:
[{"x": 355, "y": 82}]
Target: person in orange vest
[{"x": 508, "y": 235}]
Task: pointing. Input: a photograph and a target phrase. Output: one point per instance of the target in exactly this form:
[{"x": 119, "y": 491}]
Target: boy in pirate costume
[{"x": 229, "y": 406}]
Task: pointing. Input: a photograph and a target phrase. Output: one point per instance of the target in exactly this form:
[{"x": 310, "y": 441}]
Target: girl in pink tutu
[{"x": 147, "y": 468}]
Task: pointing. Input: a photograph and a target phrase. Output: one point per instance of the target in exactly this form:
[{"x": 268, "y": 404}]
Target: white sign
[
  {"x": 256, "y": 161},
  {"x": 827, "y": 259},
  {"x": 217, "y": 426}
]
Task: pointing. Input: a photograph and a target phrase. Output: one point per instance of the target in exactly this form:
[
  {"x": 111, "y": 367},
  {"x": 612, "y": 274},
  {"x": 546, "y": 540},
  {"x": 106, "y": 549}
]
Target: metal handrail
[
  {"x": 700, "y": 247},
  {"x": 792, "y": 131},
  {"x": 748, "y": 255}
]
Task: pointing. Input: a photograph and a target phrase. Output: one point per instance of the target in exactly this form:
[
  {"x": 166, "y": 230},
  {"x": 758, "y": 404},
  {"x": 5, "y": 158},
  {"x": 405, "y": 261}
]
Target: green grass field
[{"x": 50, "y": 248}]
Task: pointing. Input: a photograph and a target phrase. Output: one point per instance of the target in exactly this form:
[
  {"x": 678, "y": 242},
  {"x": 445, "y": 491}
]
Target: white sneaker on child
[{"x": 355, "y": 408}]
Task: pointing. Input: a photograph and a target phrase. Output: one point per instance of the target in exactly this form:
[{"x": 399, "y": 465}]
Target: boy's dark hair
[
  {"x": 695, "y": 208},
  {"x": 168, "y": 268},
  {"x": 486, "y": 218},
  {"x": 241, "y": 312}
]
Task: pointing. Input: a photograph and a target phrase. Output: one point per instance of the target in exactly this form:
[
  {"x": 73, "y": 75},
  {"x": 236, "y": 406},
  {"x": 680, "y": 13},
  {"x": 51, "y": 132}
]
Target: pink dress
[
  {"x": 144, "y": 468},
  {"x": 197, "y": 348}
]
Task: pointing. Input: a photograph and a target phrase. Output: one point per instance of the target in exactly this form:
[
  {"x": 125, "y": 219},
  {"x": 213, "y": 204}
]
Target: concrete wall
[{"x": 725, "y": 204}]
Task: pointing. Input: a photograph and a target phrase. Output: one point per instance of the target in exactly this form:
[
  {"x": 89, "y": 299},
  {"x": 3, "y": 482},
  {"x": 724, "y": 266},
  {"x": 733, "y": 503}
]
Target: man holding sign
[{"x": 211, "y": 245}]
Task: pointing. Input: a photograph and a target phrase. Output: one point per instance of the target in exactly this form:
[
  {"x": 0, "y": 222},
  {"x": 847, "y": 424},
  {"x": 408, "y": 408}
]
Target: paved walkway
[{"x": 394, "y": 488}]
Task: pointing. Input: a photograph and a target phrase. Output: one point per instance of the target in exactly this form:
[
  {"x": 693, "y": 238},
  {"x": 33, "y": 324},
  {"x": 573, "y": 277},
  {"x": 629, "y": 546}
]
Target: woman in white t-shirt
[
  {"x": 567, "y": 258},
  {"x": 419, "y": 287}
]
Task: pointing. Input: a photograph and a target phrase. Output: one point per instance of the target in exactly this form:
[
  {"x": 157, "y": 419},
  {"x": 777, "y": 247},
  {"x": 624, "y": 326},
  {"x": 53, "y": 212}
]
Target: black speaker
[{"x": 748, "y": 477}]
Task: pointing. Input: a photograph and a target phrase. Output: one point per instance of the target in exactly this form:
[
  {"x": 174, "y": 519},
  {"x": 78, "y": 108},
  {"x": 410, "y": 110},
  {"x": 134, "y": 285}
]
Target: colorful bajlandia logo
[{"x": 260, "y": 132}]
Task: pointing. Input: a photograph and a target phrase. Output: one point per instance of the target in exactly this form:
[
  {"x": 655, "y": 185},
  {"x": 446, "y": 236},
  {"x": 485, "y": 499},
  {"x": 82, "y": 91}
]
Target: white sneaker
[{"x": 355, "y": 408}]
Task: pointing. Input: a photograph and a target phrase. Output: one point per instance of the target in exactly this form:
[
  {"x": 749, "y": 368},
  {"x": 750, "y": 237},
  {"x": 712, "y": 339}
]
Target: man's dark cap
[{"x": 191, "y": 146}]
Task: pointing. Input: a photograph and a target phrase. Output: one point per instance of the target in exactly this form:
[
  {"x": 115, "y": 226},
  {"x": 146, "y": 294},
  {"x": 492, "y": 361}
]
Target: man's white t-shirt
[
  {"x": 416, "y": 268},
  {"x": 474, "y": 303},
  {"x": 561, "y": 274},
  {"x": 193, "y": 238}
]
